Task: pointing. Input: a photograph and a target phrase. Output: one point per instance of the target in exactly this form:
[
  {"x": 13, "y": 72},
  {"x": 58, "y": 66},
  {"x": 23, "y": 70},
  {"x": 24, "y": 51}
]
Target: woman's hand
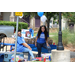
[
  {"x": 35, "y": 44},
  {"x": 48, "y": 45},
  {"x": 36, "y": 41},
  {"x": 30, "y": 48},
  {"x": 26, "y": 45}
]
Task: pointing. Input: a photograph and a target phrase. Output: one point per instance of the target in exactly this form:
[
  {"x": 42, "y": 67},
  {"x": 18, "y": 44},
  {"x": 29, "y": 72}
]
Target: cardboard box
[
  {"x": 8, "y": 40},
  {"x": 26, "y": 40},
  {"x": 30, "y": 41}
]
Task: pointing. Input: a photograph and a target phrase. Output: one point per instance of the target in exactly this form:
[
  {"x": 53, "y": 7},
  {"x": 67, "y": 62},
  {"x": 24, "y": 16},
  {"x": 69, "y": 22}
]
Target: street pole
[
  {"x": 16, "y": 39},
  {"x": 60, "y": 45}
]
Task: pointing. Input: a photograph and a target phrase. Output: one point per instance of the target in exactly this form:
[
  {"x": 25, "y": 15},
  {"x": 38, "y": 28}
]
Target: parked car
[{"x": 6, "y": 31}]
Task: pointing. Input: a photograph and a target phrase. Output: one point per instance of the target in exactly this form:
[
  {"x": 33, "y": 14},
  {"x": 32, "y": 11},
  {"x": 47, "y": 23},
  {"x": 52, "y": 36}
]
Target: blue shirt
[
  {"x": 41, "y": 39},
  {"x": 20, "y": 47}
]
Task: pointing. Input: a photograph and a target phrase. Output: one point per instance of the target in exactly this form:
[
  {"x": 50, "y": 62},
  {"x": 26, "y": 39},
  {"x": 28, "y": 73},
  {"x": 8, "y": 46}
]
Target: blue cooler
[
  {"x": 1, "y": 57},
  {"x": 7, "y": 55}
]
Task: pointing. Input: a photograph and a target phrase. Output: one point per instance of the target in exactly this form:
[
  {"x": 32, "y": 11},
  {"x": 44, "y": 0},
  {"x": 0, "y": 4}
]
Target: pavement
[{"x": 72, "y": 54}]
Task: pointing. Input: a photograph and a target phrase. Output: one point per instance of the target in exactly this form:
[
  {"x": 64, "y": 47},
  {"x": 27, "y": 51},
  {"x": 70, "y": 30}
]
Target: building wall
[
  {"x": 32, "y": 22},
  {"x": 64, "y": 23},
  {"x": 71, "y": 26},
  {"x": 41, "y": 23},
  {"x": 37, "y": 21},
  {"x": 1, "y": 16},
  {"x": 6, "y": 16}
]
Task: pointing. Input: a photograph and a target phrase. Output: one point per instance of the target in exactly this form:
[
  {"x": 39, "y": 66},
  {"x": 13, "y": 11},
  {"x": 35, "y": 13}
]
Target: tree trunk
[
  {"x": 48, "y": 20},
  {"x": 48, "y": 26}
]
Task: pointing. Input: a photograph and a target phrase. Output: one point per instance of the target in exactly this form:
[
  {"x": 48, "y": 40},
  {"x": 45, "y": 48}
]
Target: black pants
[{"x": 39, "y": 46}]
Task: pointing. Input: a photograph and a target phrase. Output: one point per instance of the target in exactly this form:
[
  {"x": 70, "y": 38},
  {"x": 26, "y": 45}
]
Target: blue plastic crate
[{"x": 53, "y": 47}]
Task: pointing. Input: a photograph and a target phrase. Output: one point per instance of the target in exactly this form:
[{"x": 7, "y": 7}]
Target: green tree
[
  {"x": 49, "y": 15},
  {"x": 69, "y": 15}
]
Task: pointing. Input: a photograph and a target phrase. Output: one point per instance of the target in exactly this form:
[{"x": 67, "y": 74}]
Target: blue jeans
[
  {"x": 29, "y": 54},
  {"x": 39, "y": 46}
]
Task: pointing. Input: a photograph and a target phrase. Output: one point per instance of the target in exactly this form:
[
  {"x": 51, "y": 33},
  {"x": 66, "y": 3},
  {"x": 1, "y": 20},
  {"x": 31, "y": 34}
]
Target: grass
[
  {"x": 49, "y": 34},
  {"x": 72, "y": 39},
  {"x": 53, "y": 33},
  {"x": 35, "y": 34},
  {"x": 67, "y": 38}
]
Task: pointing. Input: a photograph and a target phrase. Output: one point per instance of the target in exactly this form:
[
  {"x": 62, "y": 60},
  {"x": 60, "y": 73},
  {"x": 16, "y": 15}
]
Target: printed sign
[
  {"x": 18, "y": 13},
  {"x": 26, "y": 34}
]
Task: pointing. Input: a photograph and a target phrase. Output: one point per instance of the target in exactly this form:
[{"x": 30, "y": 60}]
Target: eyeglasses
[
  {"x": 42, "y": 28},
  {"x": 19, "y": 34}
]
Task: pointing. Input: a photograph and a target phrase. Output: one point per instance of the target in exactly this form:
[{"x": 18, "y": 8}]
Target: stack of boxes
[{"x": 8, "y": 40}]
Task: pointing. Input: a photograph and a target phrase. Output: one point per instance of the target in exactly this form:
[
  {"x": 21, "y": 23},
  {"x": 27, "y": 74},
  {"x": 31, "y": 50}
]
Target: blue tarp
[
  {"x": 34, "y": 48},
  {"x": 43, "y": 49}
]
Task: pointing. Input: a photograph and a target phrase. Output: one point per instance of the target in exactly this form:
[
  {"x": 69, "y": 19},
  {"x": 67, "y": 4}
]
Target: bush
[
  {"x": 65, "y": 37},
  {"x": 72, "y": 39},
  {"x": 8, "y": 23},
  {"x": 55, "y": 38}
]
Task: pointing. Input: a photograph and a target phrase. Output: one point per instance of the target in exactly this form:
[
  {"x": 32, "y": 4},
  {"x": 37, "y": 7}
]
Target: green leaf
[{"x": 8, "y": 23}]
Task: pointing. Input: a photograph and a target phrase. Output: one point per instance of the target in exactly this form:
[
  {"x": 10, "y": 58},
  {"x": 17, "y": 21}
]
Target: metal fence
[{"x": 2, "y": 45}]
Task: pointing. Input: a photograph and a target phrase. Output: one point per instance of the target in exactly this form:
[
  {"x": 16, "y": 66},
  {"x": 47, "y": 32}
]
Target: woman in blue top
[{"x": 42, "y": 40}]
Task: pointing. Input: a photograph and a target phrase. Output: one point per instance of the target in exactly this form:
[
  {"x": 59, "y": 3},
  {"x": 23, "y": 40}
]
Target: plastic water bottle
[
  {"x": 44, "y": 59},
  {"x": 49, "y": 58},
  {"x": 54, "y": 43},
  {"x": 19, "y": 61}
]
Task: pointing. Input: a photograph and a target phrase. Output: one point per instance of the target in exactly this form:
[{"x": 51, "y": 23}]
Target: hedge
[{"x": 8, "y": 23}]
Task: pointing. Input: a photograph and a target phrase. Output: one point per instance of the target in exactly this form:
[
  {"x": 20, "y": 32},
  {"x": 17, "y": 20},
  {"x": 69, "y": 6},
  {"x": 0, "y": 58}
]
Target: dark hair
[
  {"x": 45, "y": 32},
  {"x": 19, "y": 30}
]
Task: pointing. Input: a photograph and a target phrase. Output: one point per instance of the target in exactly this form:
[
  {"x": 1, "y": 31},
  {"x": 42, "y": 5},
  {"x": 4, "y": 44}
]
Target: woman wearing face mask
[{"x": 42, "y": 40}]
